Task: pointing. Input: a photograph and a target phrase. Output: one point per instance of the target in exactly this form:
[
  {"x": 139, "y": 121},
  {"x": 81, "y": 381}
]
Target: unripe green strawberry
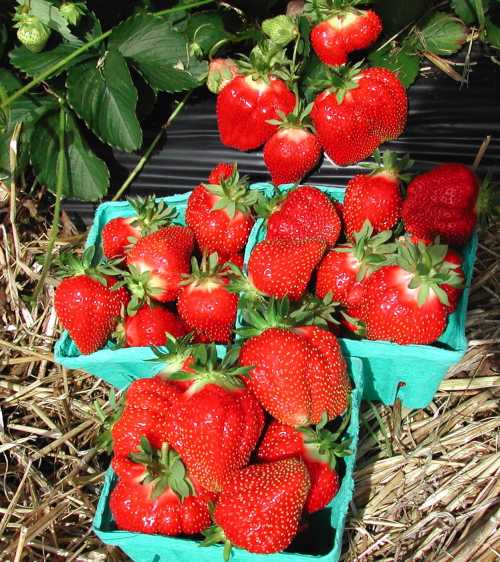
[
  {"x": 72, "y": 12},
  {"x": 32, "y": 33}
]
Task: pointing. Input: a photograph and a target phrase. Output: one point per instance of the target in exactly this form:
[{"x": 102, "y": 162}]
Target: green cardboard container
[
  {"x": 327, "y": 525},
  {"x": 119, "y": 367},
  {"x": 411, "y": 373}
]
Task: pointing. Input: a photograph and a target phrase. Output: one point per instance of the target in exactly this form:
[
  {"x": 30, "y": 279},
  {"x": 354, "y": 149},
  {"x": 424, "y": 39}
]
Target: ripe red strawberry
[
  {"x": 157, "y": 263},
  {"x": 406, "y": 303},
  {"x": 222, "y": 171},
  {"x": 221, "y": 214},
  {"x": 375, "y": 197},
  {"x": 293, "y": 150},
  {"x": 150, "y": 325},
  {"x": 155, "y": 494},
  {"x": 442, "y": 202},
  {"x": 249, "y": 101},
  {"x": 87, "y": 303},
  {"x": 283, "y": 268},
  {"x": 305, "y": 213},
  {"x": 297, "y": 373},
  {"x": 259, "y": 509},
  {"x": 352, "y": 120},
  {"x": 205, "y": 304},
  {"x": 150, "y": 216},
  {"x": 343, "y": 31},
  {"x": 216, "y": 423},
  {"x": 318, "y": 448}
]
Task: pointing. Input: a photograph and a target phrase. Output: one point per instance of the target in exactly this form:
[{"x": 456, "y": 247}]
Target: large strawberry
[
  {"x": 341, "y": 28},
  {"x": 156, "y": 495},
  {"x": 442, "y": 202},
  {"x": 220, "y": 213},
  {"x": 317, "y": 447},
  {"x": 406, "y": 303},
  {"x": 205, "y": 304},
  {"x": 304, "y": 213},
  {"x": 259, "y": 509},
  {"x": 293, "y": 150},
  {"x": 216, "y": 423},
  {"x": 297, "y": 371},
  {"x": 247, "y": 103},
  {"x": 376, "y": 197},
  {"x": 121, "y": 232},
  {"x": 352, "y": 119},
  {"x": 87, "y": 302},
  {"x": 157, "y": 263}
]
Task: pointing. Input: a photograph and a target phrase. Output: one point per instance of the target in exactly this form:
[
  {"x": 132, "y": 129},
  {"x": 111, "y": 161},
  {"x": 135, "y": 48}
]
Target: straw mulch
[{"x": 427, "y": 481}]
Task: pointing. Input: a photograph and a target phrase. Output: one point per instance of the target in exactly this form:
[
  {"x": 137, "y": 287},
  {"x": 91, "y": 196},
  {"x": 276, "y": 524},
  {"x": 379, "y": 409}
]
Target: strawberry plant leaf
[
  {"x": 406, "y": 65},
  {"x": 51, "y": 16},
  {"x": 158, "y": 52},
  {"x": 492, "y": 33},
  {"x": 206, "y": 29},
  {"x": 103, "y": 95},
  {"x": 466, "y": 10},
  {"x": 33, "y": 64},
  {"x": 442, "y": 34},
  {"x": 86, "y": 176}
]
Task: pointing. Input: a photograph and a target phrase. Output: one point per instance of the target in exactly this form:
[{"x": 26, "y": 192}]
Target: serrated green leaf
[
  {"x": 492, "y": 33},
  {"x": 103, "y": 94},
  {"x": 442, "y": 34},
  {"x": 51, "y": 16},
  {"x": 206, "y": 29},
  {"x": 406, "y": 65},
  {"x": 86, "y": 176},
  {"x": 33, "y": 64}
]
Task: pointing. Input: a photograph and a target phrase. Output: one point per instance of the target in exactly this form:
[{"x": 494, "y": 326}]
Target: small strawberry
[
  {"x": 156, "y": 495},
  {"x": 220, "y": 214},
  {"x": 376, "y": 197},
  {"x": 31, "y": 32},
  {"x": 342, "y": 30},
  {"x": 293, "y": 150},
  {"x": 442, "y": 202},
  {"x": 304, "y": 213},
  {"x": 216, "y": 423},
  {"x": 260, "y": 508},
  {"x": 205, "y": 304},
  {"x": 220, "y": 73},
  {"x": 73, "y": 11},
  {"x": 406, "y": 303},
  {"x": 88, "y": 301},
  {"x": 367, "y": 108},
  {"x": 251, "y": 99},
  {"x": 122, "y": 232}
]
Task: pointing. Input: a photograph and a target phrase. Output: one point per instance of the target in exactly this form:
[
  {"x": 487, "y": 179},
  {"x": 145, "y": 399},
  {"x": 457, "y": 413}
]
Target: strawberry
[
  {"x": 155, "y": 494},
  {"x": 88, "y": 303},
  {"x": 293, "y": 150},
  {"x": 205, "y": 304},
  {"x": 72, "y": 12},
  {"x": 157, "y": 263},
  {"x": 259, "y": 509},
  {"x": 343, "y": 269},
  {"x": 297, "y": 371},
  {"x": 317, "y": 447},
  {"x": 405, "y": 303},
  {"x": 220, "y": 214},
  {"x": 32, "y": 32},
  {"x": 304, "y": 213},
  {"x": 150, "y": 326},
  {"x": 375, "y": 197},
  {"x": 342, "y": 30},
  {"x": 120, "y": 233},
  {"x": 216, "y": 423},
  {"x": 442, "y": 202},
  {"x": 247, "y": 103},
  {"x": 282, "y": 268},
  {"x": 353, "y": 119}
]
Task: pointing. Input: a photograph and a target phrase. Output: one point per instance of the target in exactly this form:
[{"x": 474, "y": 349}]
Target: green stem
[
  {"x": 140, "y": 165},
  {"x": 54, "y": 68},
  {"x": 54, "y": 229}
]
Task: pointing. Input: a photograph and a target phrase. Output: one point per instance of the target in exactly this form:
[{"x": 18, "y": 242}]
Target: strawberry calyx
[
  {"x": 73, "y": 11},
  {"x": 163, "y": 469},
  {"x": 104, "y": 439},
  {"x": 297, "y": 119},
  {"x": 339, "y": 80},
  {"x": 372, "y": 252},
  {"x": 428, "y": 269},
  {"x": 214, "y": 535},
  {"x": 390, "y": 164},
  {"x": 355, "y": 325},
  {"x": 267, "y": 59},
  {"x": 208, "y": 274},
  {"x": 207, "y": 368},
  {"x": 321, "y": 10},
  {"x": 151, "y": 214},
  {"x": 70, "y": 265},
  {"x": 141, "y": 285},
  {"x": 175, "y": 355},
  {"x": 233, "y": 194},
  {"x": 265, "y": 207},
  {"x": 241, "y": 284}
]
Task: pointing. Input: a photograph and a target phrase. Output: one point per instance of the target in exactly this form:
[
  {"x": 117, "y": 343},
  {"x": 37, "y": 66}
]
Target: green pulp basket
[
  {"x": 329, "y": 523},
  {"x": 411, "y": 373},
  {"x": 119, "y": 367}
]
